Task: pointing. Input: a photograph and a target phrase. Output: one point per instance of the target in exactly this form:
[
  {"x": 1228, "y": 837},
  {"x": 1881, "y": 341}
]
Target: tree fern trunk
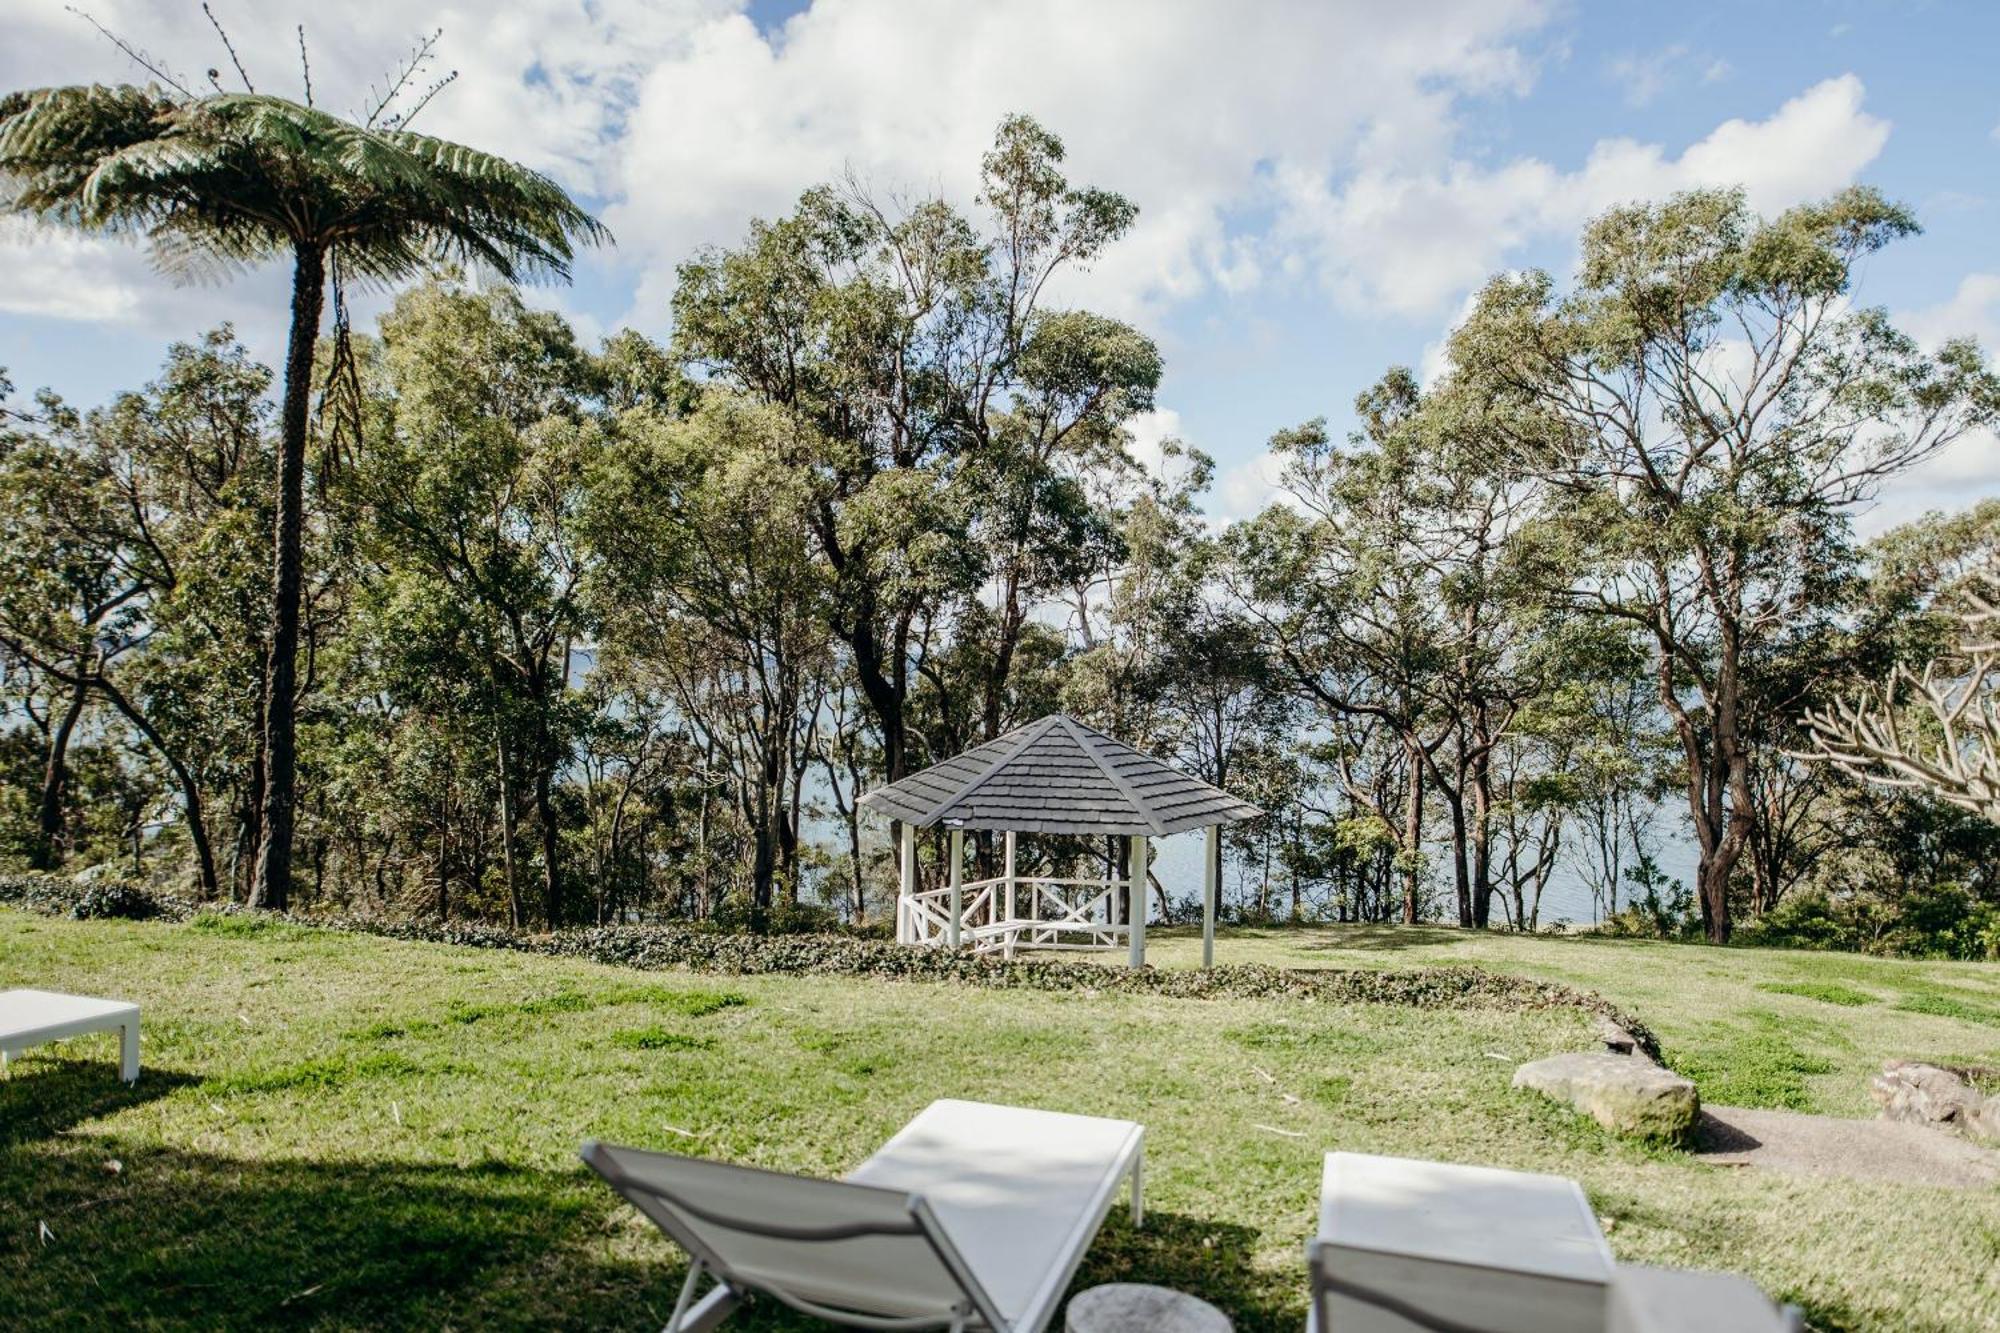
[{"x": 274, "y": 857}]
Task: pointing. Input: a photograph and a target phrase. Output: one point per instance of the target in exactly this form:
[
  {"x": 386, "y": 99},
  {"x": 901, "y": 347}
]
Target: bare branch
[
  {"x": 228, "y": 46},
  {"x": 305, "y": 65},
  {"x": 1938, "y": 731},
  {"x": 417, "y": 59},
  {"x": 137, "y": 56}
]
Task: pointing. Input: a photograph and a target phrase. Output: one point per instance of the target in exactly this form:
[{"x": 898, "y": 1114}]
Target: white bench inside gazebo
[{"x": 1053, "y": 776}]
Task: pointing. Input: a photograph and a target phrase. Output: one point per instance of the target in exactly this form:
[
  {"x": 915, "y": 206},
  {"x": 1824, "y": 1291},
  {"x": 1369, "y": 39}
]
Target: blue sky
[{"x": 1320, "y": 185}]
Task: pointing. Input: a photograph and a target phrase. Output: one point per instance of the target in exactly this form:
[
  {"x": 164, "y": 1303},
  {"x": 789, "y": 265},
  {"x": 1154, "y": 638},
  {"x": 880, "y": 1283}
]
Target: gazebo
[{"x": 1051, "y": 776}]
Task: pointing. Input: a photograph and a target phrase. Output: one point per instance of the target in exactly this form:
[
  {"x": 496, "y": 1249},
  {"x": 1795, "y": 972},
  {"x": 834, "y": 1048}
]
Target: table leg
[{"x": 128, "y": 1050}]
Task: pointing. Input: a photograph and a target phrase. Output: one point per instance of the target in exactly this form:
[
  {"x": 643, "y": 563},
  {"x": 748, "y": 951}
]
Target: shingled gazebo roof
[{"x": 1058, "y": 776}]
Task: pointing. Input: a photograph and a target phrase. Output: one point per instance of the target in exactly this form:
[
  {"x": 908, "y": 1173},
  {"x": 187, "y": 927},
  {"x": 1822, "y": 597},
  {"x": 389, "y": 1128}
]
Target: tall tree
[
  {"x": 231, "y": 179},
  {"x": 467, "y": 506},
  {"x": 708, "y": 584},
  {"x": 1706, "y": 408},
  {"x": 947, "y": 404}
]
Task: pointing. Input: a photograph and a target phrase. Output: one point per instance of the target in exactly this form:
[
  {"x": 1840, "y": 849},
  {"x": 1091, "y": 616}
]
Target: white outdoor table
[{"x": 28, "y": 1017}]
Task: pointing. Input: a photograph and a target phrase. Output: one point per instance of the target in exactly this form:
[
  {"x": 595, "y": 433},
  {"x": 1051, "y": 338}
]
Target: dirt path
[{"x": 1859, "y": 1149}]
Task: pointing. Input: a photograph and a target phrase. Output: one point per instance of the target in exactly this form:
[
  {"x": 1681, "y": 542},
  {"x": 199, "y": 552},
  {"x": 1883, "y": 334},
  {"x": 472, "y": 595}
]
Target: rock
[
  {"x": 1129, "y": 1307},
  {"x": 1985, "y": 1126},
  {"x": 1617, "y": 1040},
  {"x": 1933, "y": 1095},
  {"x": 1625, "y": 1094}
]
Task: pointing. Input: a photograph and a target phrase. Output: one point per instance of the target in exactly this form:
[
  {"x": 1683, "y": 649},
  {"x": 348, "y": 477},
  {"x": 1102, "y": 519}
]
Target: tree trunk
[
  {"x": 1481, "y": 775},
  {"x": 507, "y": 833},
  {"x": 272, "y": 888},
  {"x": 1460, "y": 877},
  {"x": 545, "y": 815},
  {"x": 55, "y": 783},
  {"x": 1413, "y": 834},
  {"x": 191, "y": 807}
]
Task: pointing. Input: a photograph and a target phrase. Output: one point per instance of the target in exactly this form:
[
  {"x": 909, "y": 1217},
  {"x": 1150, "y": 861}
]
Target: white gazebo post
[
  {"x": 1137, "y": 913},
  {"x": 1211, "y": 889},
  {"x": 957, "y": 886},
  {"x": 1012, "y": 877},
  {"x": 906, "y": 925}
]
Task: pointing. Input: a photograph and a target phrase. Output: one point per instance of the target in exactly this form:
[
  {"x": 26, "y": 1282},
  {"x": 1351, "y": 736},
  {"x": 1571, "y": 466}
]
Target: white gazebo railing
[{"x": 1001, "y": 915}]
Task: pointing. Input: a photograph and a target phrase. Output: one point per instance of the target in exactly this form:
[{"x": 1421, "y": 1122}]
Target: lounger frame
[{"x": 691, "y": 1316}]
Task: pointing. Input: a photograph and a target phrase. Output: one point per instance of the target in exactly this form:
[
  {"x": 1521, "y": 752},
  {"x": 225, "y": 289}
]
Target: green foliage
[
  {"x": 1943, "y": 1005},
  {"x": 315, "y": 1076},
  {"x": 1939, "y": 921},
  {"x": 230, "y": 179}
]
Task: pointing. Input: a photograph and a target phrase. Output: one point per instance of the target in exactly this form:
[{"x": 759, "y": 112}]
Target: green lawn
[
  {"x": 338, "y": 1130},
  {"x": 1753, "y": 1027}
]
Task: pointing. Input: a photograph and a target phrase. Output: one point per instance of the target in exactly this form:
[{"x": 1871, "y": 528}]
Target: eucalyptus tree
[
  {"x": 708, "y": 587},
  {"x": 226, "y": 180},
  {"x": 1353, "y": 613},
  {"x": 950, "y": 407},
  {"x": 128, "y": 573},
  {"x": 1707, "y": 407},
  {"x": 466, "y": 510}
]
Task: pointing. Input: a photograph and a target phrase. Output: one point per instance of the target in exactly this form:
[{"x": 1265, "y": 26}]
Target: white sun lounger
[
  {"x": 972, "y": 1217},
  {"x": 29, "y": 1017},
  {"x": 1407, "y": 1245}
]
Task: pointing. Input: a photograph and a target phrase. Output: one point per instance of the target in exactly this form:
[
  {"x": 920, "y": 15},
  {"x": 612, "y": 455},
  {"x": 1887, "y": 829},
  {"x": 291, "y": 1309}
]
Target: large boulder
[
  {"x": 1623, "y": 1093},
  {"x": 1936, "y": 1095},
  {"x": 1986, "y": 1125}
]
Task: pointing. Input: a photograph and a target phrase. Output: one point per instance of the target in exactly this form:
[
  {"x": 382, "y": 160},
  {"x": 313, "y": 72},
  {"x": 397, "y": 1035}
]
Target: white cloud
[
  {"x": 1969, "y": 468},
  {"x": 1411, "y": 242},
  {"x": 64, "y": 276},
  {"x": 545, "y": 81},
  {"x": 1644, "y": 78},
  {"x": 1973, "y": 309},
  {"x": 1965, "y": 471},
  {"x": 1185, "y": 108},
  {"x": 1283, "y": 145},
  {"x": 57, "y": 274},
  {"x": 688, "y": 120},
  {"x": 1150, "y": 432},
  {"x": 1248, "y": 489}
]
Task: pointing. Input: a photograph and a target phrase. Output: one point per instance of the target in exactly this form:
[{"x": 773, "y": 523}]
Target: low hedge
[{"x": 684, "y": 948}]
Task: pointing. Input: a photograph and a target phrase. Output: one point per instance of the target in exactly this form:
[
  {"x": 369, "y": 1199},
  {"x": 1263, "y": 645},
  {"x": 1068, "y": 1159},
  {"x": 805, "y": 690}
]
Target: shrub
[
  {"x": 115, "y": 901},
  {"x": 1934, "y": 921}
]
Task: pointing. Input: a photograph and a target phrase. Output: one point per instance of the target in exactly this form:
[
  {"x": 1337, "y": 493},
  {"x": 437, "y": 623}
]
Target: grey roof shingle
[{"x": 1058, "y": 776}]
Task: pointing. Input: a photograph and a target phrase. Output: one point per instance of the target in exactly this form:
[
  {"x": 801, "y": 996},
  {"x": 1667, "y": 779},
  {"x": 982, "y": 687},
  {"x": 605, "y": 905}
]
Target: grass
[
  {"x": 1769, "y": 1027},
  {"x": 1826, "y": 992},
  {"x": 336, "y": 1131}
]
